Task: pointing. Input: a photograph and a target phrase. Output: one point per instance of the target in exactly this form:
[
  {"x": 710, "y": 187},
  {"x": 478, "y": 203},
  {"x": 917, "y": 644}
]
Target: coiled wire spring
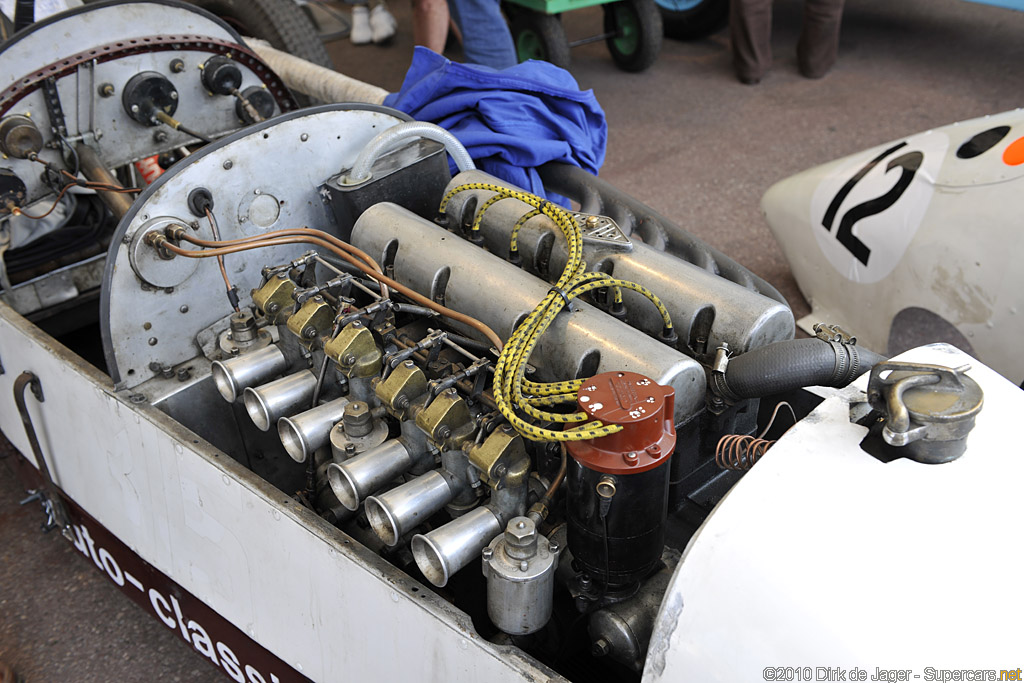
[{"x": 741, "y": 451}]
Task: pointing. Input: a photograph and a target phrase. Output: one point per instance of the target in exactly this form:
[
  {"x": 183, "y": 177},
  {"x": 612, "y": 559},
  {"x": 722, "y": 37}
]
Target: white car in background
[{"x": 921, "y": 233}]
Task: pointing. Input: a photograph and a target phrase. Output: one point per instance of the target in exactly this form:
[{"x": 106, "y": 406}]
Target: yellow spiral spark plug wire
[{"x": 511, "y": 388}]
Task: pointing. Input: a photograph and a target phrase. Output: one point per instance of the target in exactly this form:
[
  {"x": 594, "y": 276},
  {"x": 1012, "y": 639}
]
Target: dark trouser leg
[
  {"x": 750, "y": 28},
  {"x": 819, "y": 38}
]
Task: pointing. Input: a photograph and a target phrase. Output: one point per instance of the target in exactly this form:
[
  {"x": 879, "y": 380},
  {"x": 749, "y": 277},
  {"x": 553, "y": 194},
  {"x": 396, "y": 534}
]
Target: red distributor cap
[{"x": 644, "y": 409}]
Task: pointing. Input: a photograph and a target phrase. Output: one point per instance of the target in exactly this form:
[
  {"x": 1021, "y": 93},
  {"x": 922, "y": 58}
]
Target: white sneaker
[
  {"x": 361, "y": 33},
  {"x": 383, "y": 24}
]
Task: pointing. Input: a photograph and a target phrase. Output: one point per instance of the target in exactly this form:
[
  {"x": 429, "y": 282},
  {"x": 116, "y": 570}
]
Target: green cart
[{"x": 632, "y": 28}]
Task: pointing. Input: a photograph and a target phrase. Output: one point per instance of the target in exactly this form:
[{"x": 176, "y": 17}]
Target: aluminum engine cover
[
  {"x": 502, "y": 295},
  {"x": 706, "y": 309}
]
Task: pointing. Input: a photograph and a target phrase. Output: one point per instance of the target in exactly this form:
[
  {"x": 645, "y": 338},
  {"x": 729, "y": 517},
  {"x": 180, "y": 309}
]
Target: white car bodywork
[
  {"x": 824, "y": 556},
  {"x": 925, "y": 222}
]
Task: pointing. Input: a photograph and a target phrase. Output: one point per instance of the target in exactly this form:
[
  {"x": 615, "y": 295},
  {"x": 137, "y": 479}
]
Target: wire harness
[{"x": 517, "y": 397}]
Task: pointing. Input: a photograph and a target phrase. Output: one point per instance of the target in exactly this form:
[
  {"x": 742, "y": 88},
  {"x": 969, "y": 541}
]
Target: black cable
[
  {"x": 74, "y": 155},
  {"x": 604, "y": 506},
  {"x": 85, "y": 225},
  {"x": 175, "y": 124},
  {"x": 310, "y": 467},
  {"x": 189, "y": 131},
  {"x": 51, "y": 176},
  {"x": 607, "y": 555},
  {"x": 320, "y": 379}
]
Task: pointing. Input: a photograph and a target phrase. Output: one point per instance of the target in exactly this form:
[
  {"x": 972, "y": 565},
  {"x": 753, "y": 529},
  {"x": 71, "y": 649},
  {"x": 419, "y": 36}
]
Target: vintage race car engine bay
[
  {"x": 362, "y": 368},
  {"x": 354, "y": 417}
]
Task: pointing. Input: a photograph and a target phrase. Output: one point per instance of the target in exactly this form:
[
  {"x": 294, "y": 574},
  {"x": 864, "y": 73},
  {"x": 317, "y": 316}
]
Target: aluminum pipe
[
  {"x": 390, "y": 138},
  {"x": 449, "y": 548},
  {"x": 369, "y": 472},
  {"x": 304, "y": 433},
  {"x": 235, "y": 375},
  {"x": 393, "y": 513},
  {"x": 267, "y": 403}
]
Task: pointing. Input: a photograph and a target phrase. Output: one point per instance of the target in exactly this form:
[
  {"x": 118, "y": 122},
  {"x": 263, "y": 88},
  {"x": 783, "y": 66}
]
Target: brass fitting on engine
[
  {"x": 355, "y": 351},
  {"x": 314, "y": 318},
  {"x": 158, "y": 241},
  {"x": 447, "y": 421},
  {"x": 175, "y": 232},
  {"x": 274, "y": 298},
  {"x": 501, "y": 459},
  {"x": 404, "y": 392}
]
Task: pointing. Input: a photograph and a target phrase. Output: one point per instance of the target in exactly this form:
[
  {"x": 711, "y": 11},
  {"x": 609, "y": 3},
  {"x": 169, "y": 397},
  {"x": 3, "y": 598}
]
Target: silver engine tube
[
  {"x": 308, "y": 431},
  {"x": 707, "y": 310},
  {"x": 234, "y": 375},
  {"x": 449, "y": 548},
  {"x": 467, "y": 278},
  {"x": 393, "y": 513},
  {"x": 369, "y": 472},
  {"x": 272, "y": 401}
]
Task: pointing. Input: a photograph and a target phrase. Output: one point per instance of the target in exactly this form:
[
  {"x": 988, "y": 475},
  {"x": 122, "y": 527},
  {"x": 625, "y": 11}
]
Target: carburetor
[{"x": 340, "y": 373}]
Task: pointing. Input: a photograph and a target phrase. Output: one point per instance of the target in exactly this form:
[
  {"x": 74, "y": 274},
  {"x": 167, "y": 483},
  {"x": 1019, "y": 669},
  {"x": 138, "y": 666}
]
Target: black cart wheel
[
  {"x": 282, "y": 23},
  {"x": 637, "y": 28},
  {"x": 693, "y": 19},
  {"x": 540, "y": 36}
]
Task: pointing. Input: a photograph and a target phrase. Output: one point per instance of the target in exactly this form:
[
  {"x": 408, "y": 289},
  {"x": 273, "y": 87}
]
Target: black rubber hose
[{"x": 797, "y": 363}]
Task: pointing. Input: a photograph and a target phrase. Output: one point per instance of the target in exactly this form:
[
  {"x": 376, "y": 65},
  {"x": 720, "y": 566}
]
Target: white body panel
[
  {"x": 823, "y": 556},
  {"x": 949, "y": 243}
]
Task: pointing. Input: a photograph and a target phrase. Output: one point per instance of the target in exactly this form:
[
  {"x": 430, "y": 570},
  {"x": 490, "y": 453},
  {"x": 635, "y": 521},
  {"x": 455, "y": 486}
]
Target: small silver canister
[{"x": 520, "y": 570}]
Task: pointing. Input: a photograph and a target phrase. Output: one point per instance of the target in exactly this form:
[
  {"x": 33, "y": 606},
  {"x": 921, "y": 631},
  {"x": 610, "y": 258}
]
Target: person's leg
[
  {"x": 750, "y": 30},
  {"x": 819, "y": 38},
  {"x": 486, "y": 38},
  {"x": 430, "y": 24}
]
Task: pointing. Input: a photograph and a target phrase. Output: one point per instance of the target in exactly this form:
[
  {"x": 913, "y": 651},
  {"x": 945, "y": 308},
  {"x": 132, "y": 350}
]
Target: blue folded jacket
[{"x": 510, "y": 121}]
